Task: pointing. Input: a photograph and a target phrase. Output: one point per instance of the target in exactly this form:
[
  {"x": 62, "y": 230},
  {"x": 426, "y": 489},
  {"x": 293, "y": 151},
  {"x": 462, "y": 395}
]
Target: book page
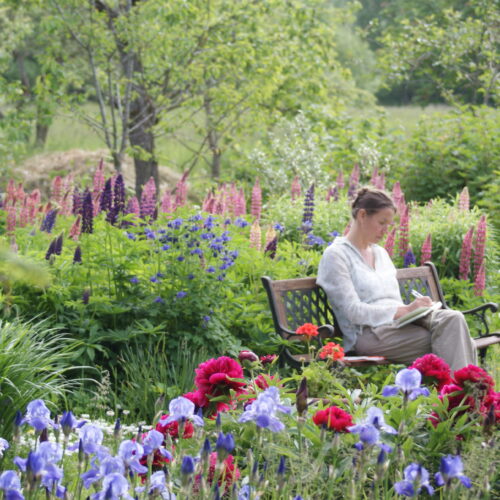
[{"x": 416, "y": 314}]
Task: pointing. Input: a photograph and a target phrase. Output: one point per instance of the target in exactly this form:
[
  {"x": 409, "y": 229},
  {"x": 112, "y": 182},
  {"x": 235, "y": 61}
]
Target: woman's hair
[{"x": 372, "y": 200}]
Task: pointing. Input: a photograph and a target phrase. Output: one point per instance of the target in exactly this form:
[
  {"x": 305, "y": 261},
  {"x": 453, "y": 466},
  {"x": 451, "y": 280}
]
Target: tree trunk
[{"x": 42, "y": 130}]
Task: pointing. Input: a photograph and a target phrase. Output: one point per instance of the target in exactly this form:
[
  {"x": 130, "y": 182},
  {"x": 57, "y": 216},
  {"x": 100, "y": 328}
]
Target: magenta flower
[
  {"x": 389, "y": 242},
  {"x": 465, "y": 255},
  {"x": 479, "y": 244},
  {"x": 426, "y": 252},
  {"x": 464, "y": 200},
  {"x": 256, "y": 200},
  {"x": 404, "y": 229}
]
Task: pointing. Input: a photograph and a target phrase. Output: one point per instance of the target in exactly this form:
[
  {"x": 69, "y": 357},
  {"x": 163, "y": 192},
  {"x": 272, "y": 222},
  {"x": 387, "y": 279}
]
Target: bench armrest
[{"x": 480, "y": 313}]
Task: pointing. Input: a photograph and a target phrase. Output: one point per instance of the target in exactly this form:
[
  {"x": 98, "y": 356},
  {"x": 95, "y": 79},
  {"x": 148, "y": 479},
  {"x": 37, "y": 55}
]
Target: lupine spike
[
  {"x": 58, "y": 245},
  {"x": 148, "y": 198},
  {"x": 296, "y": 189},
  {"x": 255, "y": 235},
  {"x": 24, "y": 213},
  {"x": 479, "y": 244},
  {"x": 464, "y": 200},
  {"x": 409, "y": 258},
  {"x": 99, "y": 178},
  {"x": 426, "y": 253},
  {"x": 11, "y": 193},
  {"x": 133, "y": 206},
  {"x": 389, "y": 242},
  {"x": 106, "y": 197},
  {"x": 51, "y": 249},
  {"x": 354, "y": 177},
  {"x": 56, "y": 190},
  {"x": 270, "y": 235},
  {"x": 381, "y": 181},
  {"x": 374, "y": 177},
  {"x": 241, "y": 205},
  {"x": 271, "y": 247},
  {"x": 87, "y": 213},
  {"x": 307, "y": 218},
  {"x": 119, "y": 194},
  {"x": 256, "y": 206},
  {"x": 77, "y": 257},
  {"x": 77, "y": 202},
  {"x": 167, "y": 205},
  {"x": 181, "y": 190},
  {"x": 11, "y": 218},
  {"x": 49, "y": 221},
  {"x": 465, "y": 255},
  {"x": 74, "y": 232},
  {"x": 404, "y": 229},
  {"x": 480, "y": 280}
]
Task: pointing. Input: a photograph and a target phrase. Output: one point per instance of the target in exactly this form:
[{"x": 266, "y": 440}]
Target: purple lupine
[
  {"x": 464, "y": 200},
  {"x": 148, "y": 198},
  {"x": 87, "y": 213},
  {"x": 307, "y": 218},
  {"x": 51, "y": 250},
  {"x": 271, "y": 248},
  {"x": 480, "y": 280},
  {"x": 77, "y": 202},
  {"x": 119, "y": 194},
  {"x": 105, "y": 201},
  {"x": 333, "y": 192},
  {"x": 389, "y": 242},
  {"x": 58, "y": 245},
  {"x": 426, "y": 252},
  {"x": 465, "y": 255},
  {"x": 256, "y": 206},
  {"x": 296, "y": 191},
  {"x": 49, "y": 221},
  {"x": 479, "y": 244},
  {"x": 409, "y": 258},
  {"x": 77, "y": 257},
  {"x": 404, "y": 228},
  {"x": 351, "y": 192}
]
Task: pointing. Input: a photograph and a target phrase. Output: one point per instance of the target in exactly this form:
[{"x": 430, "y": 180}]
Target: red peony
[
  {"x": 230, "y": 472},
  {"x": 492, "y": 399},
  {"x": 333, "y": 418},
  {"x": 456, "y": 397},
  {"x": 173, "y": 428},
  {"x": 213, "y": 377},
  {"x": 262, "y": 381},
  {"x": 197, "y": 397},
  {"x": 474, "y": 380},
  {"x": 307, "y": 329},
  {"x": 435, "y": 370},
  {"x": 331, "y": 350},
  {"x": 268, "y": 359}
]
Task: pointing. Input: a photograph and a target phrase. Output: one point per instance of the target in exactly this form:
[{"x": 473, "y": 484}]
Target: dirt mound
[{"x": 39, "y": 170}]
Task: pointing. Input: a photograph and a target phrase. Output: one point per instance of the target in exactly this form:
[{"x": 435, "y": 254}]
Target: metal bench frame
[{"x": 297, "y": 301}]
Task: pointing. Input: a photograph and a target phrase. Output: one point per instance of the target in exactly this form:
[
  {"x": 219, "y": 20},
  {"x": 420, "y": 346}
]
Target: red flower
[
  {"x": 456, "y": 397},
  {"x": 213, "y": 377},
  {"x": 331, "y": 351},
  {"x": 492, "y": 399},
  {"x": 262, "y": 381},
  {"x": 247, "y": 356},
  {"x": 307, "y": 329},
  {"x": 173, "y": 428},
  {"x": 197, "y": 397},
  {"x": 474, "y": 380},
  {"x": 227, "y": 475},
  {"x": 435, "y": 371},
  {"x": 268, "y": 359},
  {"x": 333, "y": 418}
]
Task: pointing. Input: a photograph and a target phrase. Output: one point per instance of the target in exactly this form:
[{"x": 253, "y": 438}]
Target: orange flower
[
  {"x": 307, "y": 329},
  {"x": 332, "y": 351}
]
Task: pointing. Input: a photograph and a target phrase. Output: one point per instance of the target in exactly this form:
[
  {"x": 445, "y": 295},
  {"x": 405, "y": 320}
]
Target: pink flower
[
  {"x": 434, "y": 370},
  {"x": 262, "y": 381},
  {"x": 389, "y": 242},
  {"x": 56, "y": 190},
  {"x": 11, "y": 218},
  {"x": 333, "y": 418},
  {"x": 133, "y": 206},
  {"x": 475, "y": 380},
  {"x": 74, "y": 232},
  {"x": 256, "y": 200},
  {"x": 404, "y": 229},
  {"x": 215, "y": 376},
  {"x": 255, "y": 236},
  {"x": 167, "y": 205},
  {"x": 354, "y": 177},
  {"x": 268, "y": 359},
  {"x": 296, "y": 190},
  {"x": 181, "y": 190},
  {"x": 480, "y": 281},
  {"x": 99, "y": 178},
  {"x": 465, "y": 255},
  {"x": 479, "y": 244},
  {"x": 464, "y": 200},
  {"x": 240, "y": 207},
  {"x": 247, "y": 356},
  {"x": 148, "y": 198},
  {"x": 426, "y": 252}
]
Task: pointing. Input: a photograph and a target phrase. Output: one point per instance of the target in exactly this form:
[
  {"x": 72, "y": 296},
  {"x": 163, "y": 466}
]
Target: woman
[{"x": 359, "y": 279}]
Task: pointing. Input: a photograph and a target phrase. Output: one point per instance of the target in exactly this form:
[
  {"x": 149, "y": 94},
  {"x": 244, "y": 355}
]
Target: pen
[{"x": 416, "y": 294}]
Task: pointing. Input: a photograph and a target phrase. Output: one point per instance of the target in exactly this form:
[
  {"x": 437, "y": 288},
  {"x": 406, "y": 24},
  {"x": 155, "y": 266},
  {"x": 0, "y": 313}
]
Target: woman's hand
[{"x": 420, "y": 302}]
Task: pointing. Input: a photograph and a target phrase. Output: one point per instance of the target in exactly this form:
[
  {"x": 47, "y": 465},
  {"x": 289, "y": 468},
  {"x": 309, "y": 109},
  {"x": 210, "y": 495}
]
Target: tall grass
[{"x": 34, "y": 361}]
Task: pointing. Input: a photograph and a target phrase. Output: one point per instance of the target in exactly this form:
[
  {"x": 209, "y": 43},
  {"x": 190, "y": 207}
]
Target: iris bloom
[
  {"x": 369, "y": 430},
  {"x": 130, "y": 452},
  {"x": 263, "y": 410},
  {"x": 4, "y": 445},
  {"x": 182, "y": 409},
  {"x": 153, "y": 441},
  {"x": 108, "y": 465},
  {"x": 408, "y": 382},
  {"x": 157, "y": 486},
  {"x": 37, "y": 415},
  {"x": 114, "y": 486},
  {"x": 10, "y": 484},
  {"x": 451, "y": 467},
  {"x": 91, "y": 439},
  {"x": 416, "y": 477}
]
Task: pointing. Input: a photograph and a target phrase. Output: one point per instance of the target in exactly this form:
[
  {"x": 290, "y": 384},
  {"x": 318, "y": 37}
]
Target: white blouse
[{"x": 359, "y": 294}]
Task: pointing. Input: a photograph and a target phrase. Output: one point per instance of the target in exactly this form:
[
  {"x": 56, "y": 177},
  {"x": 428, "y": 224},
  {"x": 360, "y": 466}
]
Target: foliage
[
  {"x": 462, "y": 147},
  {"x": 35, "y": 361}
]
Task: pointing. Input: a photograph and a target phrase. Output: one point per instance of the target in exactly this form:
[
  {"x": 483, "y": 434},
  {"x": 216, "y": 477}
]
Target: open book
[{"x": 416, "y": 314}]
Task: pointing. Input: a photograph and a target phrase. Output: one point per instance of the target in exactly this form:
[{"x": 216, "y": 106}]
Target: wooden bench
[{"x": 297, "y": 301}]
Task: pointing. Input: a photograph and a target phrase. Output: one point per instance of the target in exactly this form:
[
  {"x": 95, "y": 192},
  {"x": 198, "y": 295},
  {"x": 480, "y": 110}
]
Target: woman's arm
[{"x": 420, "y": 302}]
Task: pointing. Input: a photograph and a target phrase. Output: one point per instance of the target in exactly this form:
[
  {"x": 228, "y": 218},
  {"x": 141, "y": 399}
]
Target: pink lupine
[
  {"x": 480, "y": 280},
  {"x": 96, "y": 203},
  {"x": 340, "y": 180},
  {"x": 426, "y": 252},
  {"x": 479, "y": 244},
  {"x": 397, "y": 194},
  {"x": 20, "y": 194},
  {"x": 240, "y": 207},
  {"x": 148, "y": 198},
  {"x": 389, "y": 242},
  {"x": 133, "y": 206},
  {"x": 354, "y": 177},
  {"x": 74, "y": 232},
  {"x": 99, "y": 178},
  {"x": 464, "y": 200},
  {"x": 256, "y": 206},
  {"x": 24, "y": 213},
  {"x": 181, "y": 190},
  {"x": 333, "y": 192},
  {"x": 36, "y": 196},
  {"x": 56, "y": 190},
  {"x": 11, "y": 193},
  {"x": 207, "y": 202},
  {"x": 11, "y": 218},
  {"x": 220, "y": 204},
  {"x": 465, "y": 255},
  {"x": 381, "y": 182},
  {"x": 374, "y": 177},
  {"x": 211, "y": 205},
  {"x": 167, "y": 204},
  {"x": 67, "y": 203},
  {"x": 296, "y": 190},
  {"x": 255, "y": 235},
  {"x": 232, "y": 199},
  {"x": 404, "y": 229}
]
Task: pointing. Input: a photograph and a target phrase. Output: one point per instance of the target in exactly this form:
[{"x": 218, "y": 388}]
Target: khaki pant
[{"x": 443, "y": 333}]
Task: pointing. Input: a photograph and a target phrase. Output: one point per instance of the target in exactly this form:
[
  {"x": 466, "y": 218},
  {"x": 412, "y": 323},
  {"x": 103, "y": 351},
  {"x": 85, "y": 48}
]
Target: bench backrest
[{"x": 297, "y": 301}]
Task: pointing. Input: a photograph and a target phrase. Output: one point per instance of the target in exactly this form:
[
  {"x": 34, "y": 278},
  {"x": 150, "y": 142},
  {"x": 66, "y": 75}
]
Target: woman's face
[{"x": 376, "y": 225}]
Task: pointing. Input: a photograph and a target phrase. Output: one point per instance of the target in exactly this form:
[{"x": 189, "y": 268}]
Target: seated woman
[{"x": 359, "y": 279}]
